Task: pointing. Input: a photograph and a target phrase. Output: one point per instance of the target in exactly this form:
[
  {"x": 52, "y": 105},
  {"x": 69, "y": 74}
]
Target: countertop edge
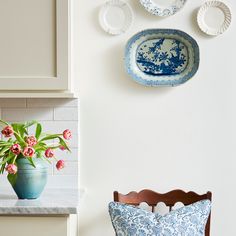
[{"x": 57, "y": 202}]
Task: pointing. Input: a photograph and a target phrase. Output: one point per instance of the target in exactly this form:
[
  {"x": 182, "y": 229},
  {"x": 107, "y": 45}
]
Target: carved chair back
[{"x": 170, "y": 199}]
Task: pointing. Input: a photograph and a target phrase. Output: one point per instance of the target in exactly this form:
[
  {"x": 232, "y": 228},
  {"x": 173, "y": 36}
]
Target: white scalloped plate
[
  {"x": 116, "y": 17},
  {"x": 214, "y": 17},
  {"x": 163, "y": 7}
]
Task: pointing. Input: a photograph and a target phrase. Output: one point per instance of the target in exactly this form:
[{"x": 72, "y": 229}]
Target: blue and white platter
[
  {"x": 161, "y": 57},
  {"x": 163, "y": 7}
]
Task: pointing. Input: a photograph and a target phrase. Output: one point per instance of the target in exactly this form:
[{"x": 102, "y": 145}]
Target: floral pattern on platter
[
  {"x": 188, "y": 221},
  {"x": 162, "y": 56},
  {"x": 158, "y": 10}
]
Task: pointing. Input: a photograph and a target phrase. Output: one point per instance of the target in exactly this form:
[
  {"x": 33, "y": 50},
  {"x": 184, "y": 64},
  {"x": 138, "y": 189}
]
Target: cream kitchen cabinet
[
  {"x": 39, "y": 225},
  {"x": 35, "y": 48},
  {"x": 55, "y": 213}
]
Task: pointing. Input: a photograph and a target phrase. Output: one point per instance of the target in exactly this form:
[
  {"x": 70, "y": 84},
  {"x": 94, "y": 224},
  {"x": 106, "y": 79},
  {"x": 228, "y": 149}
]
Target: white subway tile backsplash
[
  {"x": 52, "y": 102},
  {"x": 27, "y": 114},
  {"x": 67, "y": 156},
  {"x": 55, "y": 115},
  {"x": 12, "y": 102},
  {"x": 66, "y": 113},
  {"x": 62, "y": 181},
  {"x": 50, "y": 169},
  {"x": 74, "y": 142},
  {"x": 59, "y": 126}
]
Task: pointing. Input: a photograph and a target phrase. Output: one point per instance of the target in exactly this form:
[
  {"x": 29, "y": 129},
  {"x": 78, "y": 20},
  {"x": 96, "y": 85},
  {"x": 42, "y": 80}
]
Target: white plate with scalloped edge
[
  {"x": 214, "y": 17},
  {"x": 116, "y": 17}
]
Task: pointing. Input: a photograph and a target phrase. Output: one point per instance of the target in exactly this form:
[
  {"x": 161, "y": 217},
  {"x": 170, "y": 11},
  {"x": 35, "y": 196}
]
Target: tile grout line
[
  {"x": 53, "y": 115},
  {"x": 26, "y": 102}
]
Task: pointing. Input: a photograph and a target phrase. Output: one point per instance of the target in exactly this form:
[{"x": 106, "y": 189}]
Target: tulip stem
[{"x": 14, "y": 160}]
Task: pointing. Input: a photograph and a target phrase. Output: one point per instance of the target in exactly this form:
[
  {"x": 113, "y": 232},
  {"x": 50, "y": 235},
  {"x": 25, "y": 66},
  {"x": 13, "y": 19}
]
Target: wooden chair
[{"x": 170, "y": 199}]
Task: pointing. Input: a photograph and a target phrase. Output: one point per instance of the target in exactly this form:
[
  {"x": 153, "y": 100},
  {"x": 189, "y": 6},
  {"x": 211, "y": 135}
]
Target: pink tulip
[
  {"x": 15, "y": 149},
  {"x": 67, "y": 134},
  {"x": 28, "y": 152},
  {"x": 60, "y": 164},
  {"x": 31, "y": 141},
  {"x": 7, "y": 131},
  {"x": 11, "y": 169},
  {"x": 62, "y": 148},
  {"x": 49, "y": 153}
]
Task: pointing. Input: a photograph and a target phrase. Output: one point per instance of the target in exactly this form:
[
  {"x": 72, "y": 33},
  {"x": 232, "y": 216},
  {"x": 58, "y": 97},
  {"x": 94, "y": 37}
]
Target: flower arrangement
[{"x": 18, "y": 143}]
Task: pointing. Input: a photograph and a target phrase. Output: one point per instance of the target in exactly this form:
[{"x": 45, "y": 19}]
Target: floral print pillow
[{"x": 189, "y": 220}]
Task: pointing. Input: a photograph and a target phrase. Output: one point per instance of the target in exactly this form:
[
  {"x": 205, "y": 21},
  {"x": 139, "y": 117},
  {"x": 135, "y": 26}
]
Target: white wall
[
  {"x": 55, "y": 115},
  {"x": 134, "y": 137}
]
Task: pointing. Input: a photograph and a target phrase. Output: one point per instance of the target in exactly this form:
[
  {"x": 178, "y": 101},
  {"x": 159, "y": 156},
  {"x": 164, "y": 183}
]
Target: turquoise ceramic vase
[{"x": 29, "y": 181}]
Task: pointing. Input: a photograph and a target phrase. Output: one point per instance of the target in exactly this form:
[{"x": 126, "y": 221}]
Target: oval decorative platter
[
  {"x": 163, "y": 7},
  {"x": 214, "y": 18},
  {"x": 161, "y": 57},
  {"x": 116, "y": 17}
]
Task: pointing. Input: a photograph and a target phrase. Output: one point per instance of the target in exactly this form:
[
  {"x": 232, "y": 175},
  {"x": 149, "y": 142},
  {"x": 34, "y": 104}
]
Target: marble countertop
[{"x": 51, "y": 202}]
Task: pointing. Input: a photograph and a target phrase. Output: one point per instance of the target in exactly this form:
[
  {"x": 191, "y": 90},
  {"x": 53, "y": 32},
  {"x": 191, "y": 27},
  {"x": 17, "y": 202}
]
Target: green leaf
[
  {"x": 40, "y": 147},
  {"x": 54, "y": 136},
  {"x": 2, "y": 168},
  {"x": 20, "y": 139},
  {"x": 63, "y": 143},
  {"x": 42, "y": 144},
  {"x": 6, "y": 160},
  {"x": 9, "y": 142},
  {"x": 38, "y": 131},
  {"x": 2, "y": 141},
  {"x": 4, "y": 150},
  {"x": 15, "y": 126},
  {"x": 49, "y": 137},
  {"x": 12, "y": 179},
  {"x": 4, "y": 123},
  {"x": 19, "y": 128},
  {"x": 6, "y": 144},
  {"x": 30, "y": 159},
  {"x": 45, "y": 159},
  {"x": 39, "y": 153},
  {"x": 30, "y": 123},
  {"x": 22, "y": 130}
]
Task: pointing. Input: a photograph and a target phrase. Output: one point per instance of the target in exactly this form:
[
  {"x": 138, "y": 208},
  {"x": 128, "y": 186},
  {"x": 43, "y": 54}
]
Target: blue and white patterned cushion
[{"x": 189, "y": 220}]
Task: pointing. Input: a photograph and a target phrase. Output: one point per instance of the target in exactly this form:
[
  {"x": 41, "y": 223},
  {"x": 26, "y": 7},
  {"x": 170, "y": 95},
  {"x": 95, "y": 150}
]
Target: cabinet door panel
[
  {"x": 34, "y": 45},
  {"x": 36, "y": 226}
]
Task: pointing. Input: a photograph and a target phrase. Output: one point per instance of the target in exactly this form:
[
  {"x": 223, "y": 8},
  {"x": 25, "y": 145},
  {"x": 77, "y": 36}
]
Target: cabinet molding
[{"x": 61, "y": 82}]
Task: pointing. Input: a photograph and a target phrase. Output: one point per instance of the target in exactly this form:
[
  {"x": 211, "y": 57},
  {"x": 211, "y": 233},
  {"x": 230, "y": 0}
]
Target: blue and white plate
[
  {"x": 161, "y": 57},
  {"x": 163, "y": 7}
]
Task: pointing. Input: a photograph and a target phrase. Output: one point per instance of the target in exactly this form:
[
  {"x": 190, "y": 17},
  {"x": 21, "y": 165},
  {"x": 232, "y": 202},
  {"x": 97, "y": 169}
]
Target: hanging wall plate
[
  {"x": 116, "y": 17},
  {"x": 214, "y": 17},
  {"x": 161, "y": 57},
  {"x": 163, "y": 7}
]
